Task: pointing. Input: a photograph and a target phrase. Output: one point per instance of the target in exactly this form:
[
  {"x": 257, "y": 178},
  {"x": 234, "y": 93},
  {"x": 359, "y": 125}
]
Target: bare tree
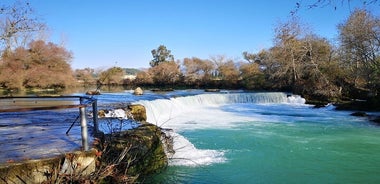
[
  {"x": 165, "y": 73},
  {"x": 299, "y": 60},
  {"x": 18, "y": 25},
  {"x": 112, "y": 76},
  {"x": 143, "y": 78},
  {"x": 197, "y": 70},
  {"x": 335, "y": 4},
  {"x": 11, "y": 72},
  {"x": 251, "y": 75},
  {"x": 226, "y": 70},
  {"x": 41, "y": 65},
  {"x": 252, "y": 58},
  {"x": 87, "y": 75},
  {"x": 285, "y": 51},
  {"x": 360, "y": 47}
]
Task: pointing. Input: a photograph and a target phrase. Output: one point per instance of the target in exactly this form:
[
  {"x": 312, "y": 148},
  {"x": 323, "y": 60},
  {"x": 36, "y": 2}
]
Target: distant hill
[{"x": 131, "y": 71}]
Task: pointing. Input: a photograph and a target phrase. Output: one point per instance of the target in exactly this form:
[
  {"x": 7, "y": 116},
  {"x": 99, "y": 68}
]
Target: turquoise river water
[{"x": 263, "y": 138}]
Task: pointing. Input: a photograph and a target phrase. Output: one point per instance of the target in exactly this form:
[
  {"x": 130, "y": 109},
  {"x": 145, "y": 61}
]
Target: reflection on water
[
  {"x": 14, "y": 103},
  {"x": 67, "y": 91}
]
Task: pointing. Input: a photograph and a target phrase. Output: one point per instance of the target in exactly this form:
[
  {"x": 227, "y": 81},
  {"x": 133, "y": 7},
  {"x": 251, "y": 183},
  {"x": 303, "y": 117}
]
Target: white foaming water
[
  {"x": 296, "y": 99},
  {"x": 164, "y": 111},
  {"x": 201, "y": 112},
  {"x": 116, "y": 113},
  {"x": 187, "y": 154}
]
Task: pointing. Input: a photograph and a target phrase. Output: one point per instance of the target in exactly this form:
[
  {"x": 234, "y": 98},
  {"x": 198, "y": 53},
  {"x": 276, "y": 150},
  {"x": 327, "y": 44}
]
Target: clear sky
[{"x": 102, "y": 34}]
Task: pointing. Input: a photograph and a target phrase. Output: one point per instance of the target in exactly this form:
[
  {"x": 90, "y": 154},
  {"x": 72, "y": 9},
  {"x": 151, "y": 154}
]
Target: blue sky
[{"x": 102, "y": 34}]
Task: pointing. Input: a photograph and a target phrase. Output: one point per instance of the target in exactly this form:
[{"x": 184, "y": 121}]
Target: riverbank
[
  {"x": 121, "y": 156},
  {"x": 118, "y": 158},
  {"x": 361, "y": 108}
]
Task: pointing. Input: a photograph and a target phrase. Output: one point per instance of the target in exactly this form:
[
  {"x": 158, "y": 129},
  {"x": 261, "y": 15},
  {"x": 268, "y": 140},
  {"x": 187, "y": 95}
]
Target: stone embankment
[{"x": 115, "y": 158}]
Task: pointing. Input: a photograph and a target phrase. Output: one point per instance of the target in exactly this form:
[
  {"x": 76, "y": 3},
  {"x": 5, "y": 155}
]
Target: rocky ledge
[
  {"x": 122, "y": 157},
  {"x": 134, "y": 153}
]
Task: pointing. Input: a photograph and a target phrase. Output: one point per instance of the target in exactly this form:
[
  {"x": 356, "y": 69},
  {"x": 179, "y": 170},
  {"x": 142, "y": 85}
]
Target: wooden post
[
  {"x": 95, "y": 115},
  {"x": 83, "y": 124}
]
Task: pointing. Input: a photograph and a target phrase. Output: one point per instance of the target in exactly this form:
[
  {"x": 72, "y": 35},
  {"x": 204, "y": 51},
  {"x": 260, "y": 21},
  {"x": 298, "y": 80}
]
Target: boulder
[
  {"x": 138, "y": 91},
  {"x": 96, "y": 92},
  {"x": 102, "y": 113},
  {"x": 360, "y": 114},
  {"x": 138, "y": 112},
  {"x": 139, "y": 151},
  {"x": 162, "y": 89},
  {"x": 212, "y": 90}
]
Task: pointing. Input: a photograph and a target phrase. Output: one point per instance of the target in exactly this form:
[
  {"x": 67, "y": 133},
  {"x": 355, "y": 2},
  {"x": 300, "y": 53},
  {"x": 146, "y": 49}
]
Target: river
[
  {"x": 246, "y": 137},
  {"x": 264, "y": 138}
]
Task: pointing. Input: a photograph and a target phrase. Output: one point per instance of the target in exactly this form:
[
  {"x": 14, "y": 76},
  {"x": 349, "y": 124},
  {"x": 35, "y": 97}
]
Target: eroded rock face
[
  {"x": 135, "y": 112},
  {"x": 51, "y": 170},
  {"x": 138, "y": 152},
  {"x": 138, "y": 112}
]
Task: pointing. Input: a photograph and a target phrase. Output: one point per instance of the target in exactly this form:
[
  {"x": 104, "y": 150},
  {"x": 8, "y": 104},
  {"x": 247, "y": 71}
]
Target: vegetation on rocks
[
  {"x": 123, "y": 157},
  {"x": 132, "y": 154}
]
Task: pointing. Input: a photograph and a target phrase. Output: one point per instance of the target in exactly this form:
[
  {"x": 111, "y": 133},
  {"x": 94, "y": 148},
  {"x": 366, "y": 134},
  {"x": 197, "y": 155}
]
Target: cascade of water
[
  {"x": 183, "y": 147},
  {"x": 167, "y": 108},
  {"x": 296, "y": 99},
  {"x": 176, "y": 113}
]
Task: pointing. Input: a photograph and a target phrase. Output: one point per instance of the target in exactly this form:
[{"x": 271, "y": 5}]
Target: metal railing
[{"x": 36, "y": 103}]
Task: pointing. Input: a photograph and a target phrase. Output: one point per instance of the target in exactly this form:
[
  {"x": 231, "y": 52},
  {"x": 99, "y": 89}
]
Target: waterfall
[
  {"x": 203, "y": 111},
  {"x": 183, "y": 147},
  {"x": 165, "y": 109}
]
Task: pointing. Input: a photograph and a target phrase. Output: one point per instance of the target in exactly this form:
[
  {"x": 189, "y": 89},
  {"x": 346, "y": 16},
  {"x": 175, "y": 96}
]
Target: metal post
[
  {"x": 95, "y": 115},
  {"x": 83, "y": 124}
]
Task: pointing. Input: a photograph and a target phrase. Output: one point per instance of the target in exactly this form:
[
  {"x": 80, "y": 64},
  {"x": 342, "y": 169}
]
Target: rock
[
  {"x": 212, "y": 90},
  {"x": 360, "y": 114},
  {"x": 102, "y": 113},
  {"x": 138, "y": 112},
  {"x": 47, "y": 170},
  {"x": 139, "y": 151},
  {"x": 135, "y": 112},
  {"x": 359, "y": 105},
  {"x": 138, "y": 91},
  {"x": 377, "y": 120},
  {"x": 316, "y": 106},
  {"x": 162, "y": 89},
  {"x": 96, "y": 92}
]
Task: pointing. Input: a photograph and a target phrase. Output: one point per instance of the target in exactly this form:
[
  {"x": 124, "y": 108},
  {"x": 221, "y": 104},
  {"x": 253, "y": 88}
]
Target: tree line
[
  {"x": 299, "y": 61},
  {"x": 27, "y": 60}
]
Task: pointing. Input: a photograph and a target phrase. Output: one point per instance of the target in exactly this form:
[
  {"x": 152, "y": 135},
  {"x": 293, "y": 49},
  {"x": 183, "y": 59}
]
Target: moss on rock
[
  {"x": 136, "y": 152},
  {"x": 138, "y": 112}
]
